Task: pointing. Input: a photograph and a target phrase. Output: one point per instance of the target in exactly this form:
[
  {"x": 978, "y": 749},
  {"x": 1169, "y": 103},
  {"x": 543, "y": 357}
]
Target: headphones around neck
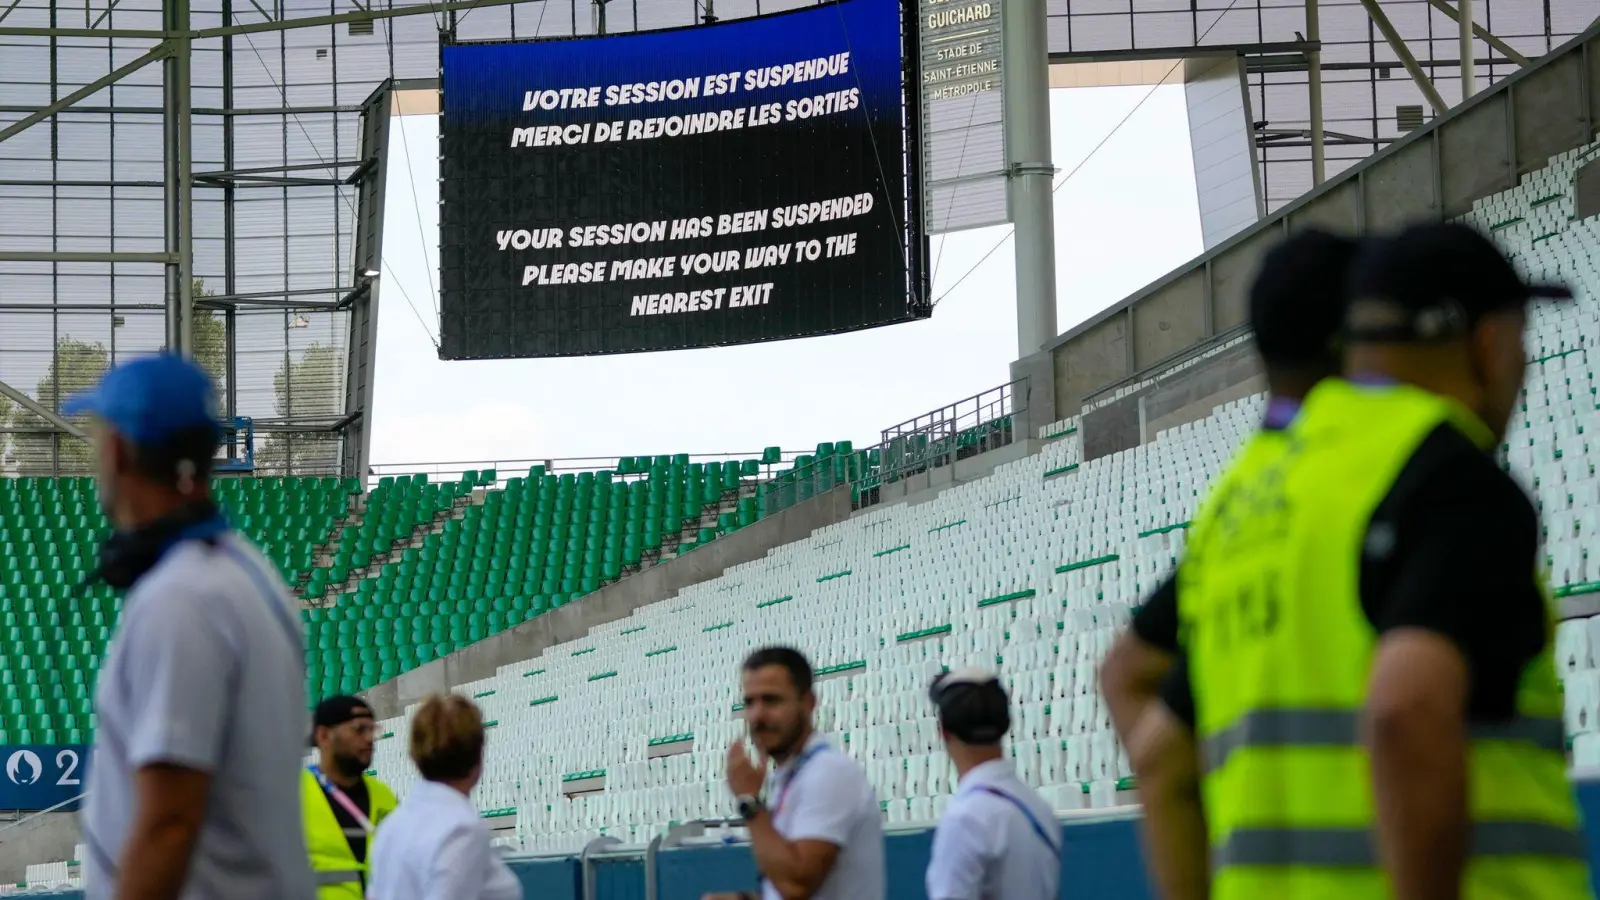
[{"x": 126, "y": 556}]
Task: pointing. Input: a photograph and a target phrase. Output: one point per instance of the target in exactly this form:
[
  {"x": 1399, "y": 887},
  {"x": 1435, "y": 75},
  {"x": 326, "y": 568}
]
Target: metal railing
[
  {"x": 968, "y": 427},
  {"x": 505, "y": 469}
]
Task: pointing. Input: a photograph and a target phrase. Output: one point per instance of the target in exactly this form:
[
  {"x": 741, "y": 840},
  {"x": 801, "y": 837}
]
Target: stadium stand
[
  {"x": 55, "y": 630},
  {"x": 623, "y": 732},
  {"x": 420, "y": 568},
  {"x": 1034, "y": 567}
]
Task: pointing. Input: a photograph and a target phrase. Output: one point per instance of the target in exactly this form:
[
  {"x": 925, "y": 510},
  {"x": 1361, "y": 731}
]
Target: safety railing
[
  {"x": 968, "y": 427},
  {"x": 769, "y": 462}
]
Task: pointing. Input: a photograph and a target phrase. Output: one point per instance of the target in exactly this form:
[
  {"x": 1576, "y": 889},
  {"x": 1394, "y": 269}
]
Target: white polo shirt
[
  {"x": 206, "y": 671},
  {"x": 822, "y": 795},
  {"x": 436, "y": 845},
  {"x": 987, "y": 848}
]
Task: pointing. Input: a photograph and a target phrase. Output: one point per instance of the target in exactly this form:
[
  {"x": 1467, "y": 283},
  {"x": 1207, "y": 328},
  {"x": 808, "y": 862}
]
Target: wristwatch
[{"x": 749, "y": 806}]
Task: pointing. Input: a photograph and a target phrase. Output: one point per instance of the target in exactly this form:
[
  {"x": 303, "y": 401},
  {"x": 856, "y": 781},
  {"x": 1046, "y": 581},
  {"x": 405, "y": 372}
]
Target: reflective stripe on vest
[
  {"x": 1342, "y": 728},
  {"x": 1358, "y": 846},
  {"x": 339, "y": 876}
]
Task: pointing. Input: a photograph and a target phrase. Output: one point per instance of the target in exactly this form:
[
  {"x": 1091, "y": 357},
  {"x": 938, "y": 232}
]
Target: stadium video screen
[{"x": 702, "y": 186}]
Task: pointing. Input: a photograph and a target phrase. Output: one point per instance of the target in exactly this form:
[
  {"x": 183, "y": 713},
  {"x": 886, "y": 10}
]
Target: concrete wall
[
  {"x": 46, "y": 838},
  {"x": 1182, "y": 390},
  {"x": 608, "y": 604},
  {"x": 1478, "y": 149},
  {"x": 1586, "y": 184},
  {"x": 1222, "y": 142}
]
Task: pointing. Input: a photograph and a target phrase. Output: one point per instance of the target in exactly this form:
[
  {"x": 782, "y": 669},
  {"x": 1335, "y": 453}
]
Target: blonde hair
[{"x": 447, "y": 737}]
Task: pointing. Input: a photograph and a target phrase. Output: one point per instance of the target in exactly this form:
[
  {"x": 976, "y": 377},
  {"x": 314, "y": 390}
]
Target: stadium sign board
[
  {"x": 963, "y": 113},
  {"x": 40, "y": 776},
  {"x": 704, "y": 186}
]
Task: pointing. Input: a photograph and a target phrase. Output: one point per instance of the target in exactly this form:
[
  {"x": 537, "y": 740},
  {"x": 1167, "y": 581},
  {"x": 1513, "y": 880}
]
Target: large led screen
[{"x": 702, "y": 186}]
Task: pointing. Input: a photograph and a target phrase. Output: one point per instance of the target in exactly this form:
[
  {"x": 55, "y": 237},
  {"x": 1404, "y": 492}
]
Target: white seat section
[{"x": 1033, "y": 570}]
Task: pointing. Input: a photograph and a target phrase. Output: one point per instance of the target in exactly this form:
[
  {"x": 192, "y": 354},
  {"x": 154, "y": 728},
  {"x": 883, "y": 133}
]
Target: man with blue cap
[{"x": 201, "y": 700}]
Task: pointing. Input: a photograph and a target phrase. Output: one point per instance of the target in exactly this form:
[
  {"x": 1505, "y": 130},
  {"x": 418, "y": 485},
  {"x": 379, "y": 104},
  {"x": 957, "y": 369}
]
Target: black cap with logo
[
  {"x": 1434, "y": 282},
  {"x": 336, "y": 711}
]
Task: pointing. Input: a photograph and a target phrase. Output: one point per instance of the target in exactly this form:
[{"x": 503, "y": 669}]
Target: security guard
[
  {"x": 342, "y": 804},
  {"x": 1296, "y": 310},
  {"x": 1368, "y": 642},
  {"x": 998, "y": 838}
]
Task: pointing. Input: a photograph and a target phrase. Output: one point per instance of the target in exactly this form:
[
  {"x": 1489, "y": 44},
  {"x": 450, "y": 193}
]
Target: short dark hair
[
  {"x": 160, "y": 463},
  {"x": 1298, "y": 301},
  {"x": 978, "y": 714},
  {"x": 792, "y": 660}
]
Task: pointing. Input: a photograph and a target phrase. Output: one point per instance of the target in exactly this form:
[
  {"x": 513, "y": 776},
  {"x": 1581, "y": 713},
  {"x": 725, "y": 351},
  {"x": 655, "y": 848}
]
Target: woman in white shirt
[{"x": 435, "y": 846}]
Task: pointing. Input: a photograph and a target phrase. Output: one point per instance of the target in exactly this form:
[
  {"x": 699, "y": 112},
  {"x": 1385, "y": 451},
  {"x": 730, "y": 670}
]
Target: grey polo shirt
[{"x": 206, "y": 671}]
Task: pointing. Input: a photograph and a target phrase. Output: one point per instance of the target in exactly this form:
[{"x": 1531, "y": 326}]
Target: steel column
[
  {"x": 1030, "y": 173},
  {"x": 1468, "y": 61},
  {"x": 180, "y": 180},
  {"x": 1319, "y": 165}
]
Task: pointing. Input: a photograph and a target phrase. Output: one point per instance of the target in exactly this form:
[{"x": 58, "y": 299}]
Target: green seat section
[{"x": 50, "y": 531}]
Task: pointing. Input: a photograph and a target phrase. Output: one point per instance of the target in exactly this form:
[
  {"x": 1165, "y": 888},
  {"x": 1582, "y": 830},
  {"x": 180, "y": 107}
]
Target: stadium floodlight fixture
[{"x": 370, "y": 273}]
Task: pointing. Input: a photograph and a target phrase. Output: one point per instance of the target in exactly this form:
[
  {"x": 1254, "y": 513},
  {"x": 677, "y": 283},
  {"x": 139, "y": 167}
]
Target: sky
[{"x": 1127, "y": 216}]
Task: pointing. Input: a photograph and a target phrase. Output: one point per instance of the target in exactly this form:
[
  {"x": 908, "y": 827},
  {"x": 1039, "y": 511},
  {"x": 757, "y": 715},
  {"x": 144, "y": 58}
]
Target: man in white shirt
[
  {"x": 818, "y": 835},
  {"x": 998, "y": 839},
  {"x": 201, "y": 698}
]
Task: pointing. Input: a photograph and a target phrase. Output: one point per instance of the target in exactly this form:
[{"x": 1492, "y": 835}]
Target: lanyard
[
  {"x": 339, "y": 797},
  {"x": 783, "y": 792},
  {"x": 1280, "y": 412},
  {"x": 1027, "y": 813}
]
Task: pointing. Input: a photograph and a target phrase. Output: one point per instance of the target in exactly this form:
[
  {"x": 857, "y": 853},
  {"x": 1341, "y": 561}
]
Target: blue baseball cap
[{"x": 150, "y": 399}]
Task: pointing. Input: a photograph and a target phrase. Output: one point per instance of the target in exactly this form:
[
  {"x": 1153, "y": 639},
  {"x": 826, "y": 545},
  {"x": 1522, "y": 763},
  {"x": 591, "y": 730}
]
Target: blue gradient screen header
[{"x": 701, "y": 186}]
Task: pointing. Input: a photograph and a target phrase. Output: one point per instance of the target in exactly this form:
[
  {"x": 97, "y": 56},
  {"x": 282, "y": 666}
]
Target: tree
[
  {"x": 210, "y": 339},
  {"x": 7, "y": 405},
  {"x": 310, "y": 387},
  {"x": 76, "y": 367}
]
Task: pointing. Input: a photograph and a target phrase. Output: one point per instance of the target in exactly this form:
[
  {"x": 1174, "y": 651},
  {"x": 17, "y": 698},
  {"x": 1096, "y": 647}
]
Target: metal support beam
[
  {"x": 1319, "y": 164},
  {"x": 286, "y": 304},
  {"x": 358, "y": 16},
  {"x": 31, "y": 405},
  {"x": 260, "y": 181},
  {"x": 1469, "y": 75},
  {"x": 1483, "y": 34},
  {"x": 160, "y": 51},
  {"x": 272, "y": 170},
  {"x": 83, "y": 256},
  {"x": 1030, "y": 173},
  {"x": 230, "y": 299},
  {"x": 180, "y": 180},
  {"x": 1407, "y": 59}
]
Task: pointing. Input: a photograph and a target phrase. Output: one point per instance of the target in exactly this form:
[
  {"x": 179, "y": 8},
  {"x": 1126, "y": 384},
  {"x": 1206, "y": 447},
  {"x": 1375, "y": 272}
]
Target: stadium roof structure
[{"x": 210, "y": 174}]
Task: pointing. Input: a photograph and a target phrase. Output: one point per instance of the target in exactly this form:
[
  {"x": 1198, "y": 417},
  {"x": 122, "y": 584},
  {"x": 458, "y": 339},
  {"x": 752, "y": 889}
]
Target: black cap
[
  {"x": 336, "y": 711},
  {"x": 972, "y": 705},
  {"x": 1439, "y": 279},
  {"x": 1297, "y": 301}
]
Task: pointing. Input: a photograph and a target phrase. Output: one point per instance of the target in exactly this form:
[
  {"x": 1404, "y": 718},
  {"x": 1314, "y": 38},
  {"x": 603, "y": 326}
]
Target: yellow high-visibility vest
[
  {"x": 1280, "y": 653},
  {"x": 339, "y": 875}
]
